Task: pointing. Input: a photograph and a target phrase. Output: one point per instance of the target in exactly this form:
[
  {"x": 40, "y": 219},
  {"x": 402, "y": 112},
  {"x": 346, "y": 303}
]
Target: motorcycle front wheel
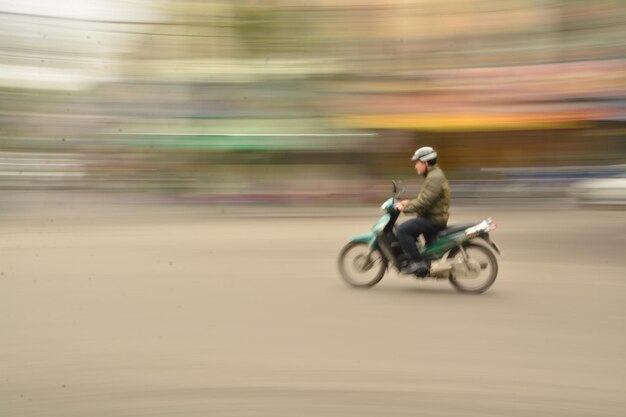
[
  {"x": 360, "y": 266},
  {"x": 477, "y": 274}
]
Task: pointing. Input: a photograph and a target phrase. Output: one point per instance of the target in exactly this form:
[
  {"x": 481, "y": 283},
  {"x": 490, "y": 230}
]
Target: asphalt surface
[{"x": 152, "y": 310}]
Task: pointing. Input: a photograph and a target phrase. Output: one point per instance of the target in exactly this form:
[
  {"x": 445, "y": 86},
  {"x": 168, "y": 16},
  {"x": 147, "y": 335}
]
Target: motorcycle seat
[
  {"x": 455, "y": 228},
  {"x": 451, "y": 229}
]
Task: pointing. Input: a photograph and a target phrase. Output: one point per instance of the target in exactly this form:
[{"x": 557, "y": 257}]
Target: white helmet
[{"x": 424, "y": 154}]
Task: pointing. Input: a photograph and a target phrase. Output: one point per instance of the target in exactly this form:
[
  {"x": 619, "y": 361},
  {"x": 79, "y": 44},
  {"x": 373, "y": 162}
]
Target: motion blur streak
[
  {"x": 177, "y": 177},
  {"x": 149, "y": 95}
]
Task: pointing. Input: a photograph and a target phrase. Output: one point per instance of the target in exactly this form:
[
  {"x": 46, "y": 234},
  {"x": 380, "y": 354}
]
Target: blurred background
[{"x": 313, "y": 102}]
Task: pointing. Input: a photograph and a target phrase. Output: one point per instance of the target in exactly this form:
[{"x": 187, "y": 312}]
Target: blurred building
[{"x": 197, "y": 96}]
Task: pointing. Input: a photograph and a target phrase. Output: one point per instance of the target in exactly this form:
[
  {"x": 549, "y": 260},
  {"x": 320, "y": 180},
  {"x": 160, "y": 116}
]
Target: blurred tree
[
  {"x": 272, "y": 29},
  {"x": 256, "y": 27},
  {"x": 220, "y": 29}
]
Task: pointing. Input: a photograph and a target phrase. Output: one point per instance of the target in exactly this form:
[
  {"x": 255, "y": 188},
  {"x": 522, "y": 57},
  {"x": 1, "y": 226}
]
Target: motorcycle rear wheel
[
  {"x": 478, "y": 281},
  {"x": 356, "y": 269}
]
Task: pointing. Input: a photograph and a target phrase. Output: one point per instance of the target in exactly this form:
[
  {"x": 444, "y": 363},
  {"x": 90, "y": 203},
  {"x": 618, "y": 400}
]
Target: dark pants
[{"x": 409, "y": 231}]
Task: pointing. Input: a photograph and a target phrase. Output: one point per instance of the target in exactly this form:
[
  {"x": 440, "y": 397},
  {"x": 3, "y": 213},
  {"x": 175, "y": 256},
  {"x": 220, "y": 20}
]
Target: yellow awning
[{"x": 456, "y": 122}]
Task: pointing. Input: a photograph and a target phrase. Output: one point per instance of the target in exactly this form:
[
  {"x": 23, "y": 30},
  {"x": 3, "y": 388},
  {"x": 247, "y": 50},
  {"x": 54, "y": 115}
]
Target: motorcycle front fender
[{"x": 368, "y": 238}]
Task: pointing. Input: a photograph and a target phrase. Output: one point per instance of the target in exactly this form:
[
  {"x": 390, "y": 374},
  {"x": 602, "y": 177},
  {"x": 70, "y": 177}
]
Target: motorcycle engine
[{"x": 440, "y": 269}]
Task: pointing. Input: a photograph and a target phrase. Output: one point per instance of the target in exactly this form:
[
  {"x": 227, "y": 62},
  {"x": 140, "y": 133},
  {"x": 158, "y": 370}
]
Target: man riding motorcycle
[{"x": 431, "y": 206}]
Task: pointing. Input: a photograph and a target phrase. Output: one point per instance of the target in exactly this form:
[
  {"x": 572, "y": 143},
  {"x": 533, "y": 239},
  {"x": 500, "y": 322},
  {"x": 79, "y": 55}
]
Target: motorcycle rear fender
[{"x": 487, "y": 239}]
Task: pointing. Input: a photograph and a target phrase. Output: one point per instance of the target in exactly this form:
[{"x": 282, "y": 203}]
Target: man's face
[{"x": 420, "y": 167}]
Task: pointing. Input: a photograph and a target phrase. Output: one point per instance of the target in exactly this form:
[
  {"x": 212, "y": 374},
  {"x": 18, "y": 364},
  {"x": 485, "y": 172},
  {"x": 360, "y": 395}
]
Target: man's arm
[{"x": 428, "y": 195}]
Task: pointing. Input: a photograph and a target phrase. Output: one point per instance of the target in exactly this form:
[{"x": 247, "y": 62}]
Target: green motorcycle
[{"x": 462, "y": 254}]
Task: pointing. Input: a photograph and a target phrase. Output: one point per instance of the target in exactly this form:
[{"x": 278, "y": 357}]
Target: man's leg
[{"x": 407, "y": 233}]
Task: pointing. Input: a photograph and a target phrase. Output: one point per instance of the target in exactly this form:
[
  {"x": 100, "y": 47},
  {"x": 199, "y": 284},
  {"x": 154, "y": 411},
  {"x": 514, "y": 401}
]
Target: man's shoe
[
  {"x": 423, "y": 268},
  {"x": 418, "y": 268}
]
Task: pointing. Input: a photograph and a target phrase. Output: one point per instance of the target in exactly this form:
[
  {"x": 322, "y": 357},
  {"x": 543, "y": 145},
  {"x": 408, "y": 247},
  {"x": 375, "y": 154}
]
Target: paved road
[{"x": 165, "y": 312}]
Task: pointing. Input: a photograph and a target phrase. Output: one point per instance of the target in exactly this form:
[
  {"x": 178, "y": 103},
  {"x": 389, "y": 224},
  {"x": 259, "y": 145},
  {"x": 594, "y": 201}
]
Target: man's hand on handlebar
[{"x": 400, "y": 205}]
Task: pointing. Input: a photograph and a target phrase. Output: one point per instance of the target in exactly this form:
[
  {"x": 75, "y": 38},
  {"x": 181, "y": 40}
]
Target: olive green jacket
[{"x": 433, "y": 200}]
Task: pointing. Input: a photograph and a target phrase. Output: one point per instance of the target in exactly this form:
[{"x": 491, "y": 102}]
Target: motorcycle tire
[
  {"x": 356, "y": 270},
  {"x": 488, "y": 265}
]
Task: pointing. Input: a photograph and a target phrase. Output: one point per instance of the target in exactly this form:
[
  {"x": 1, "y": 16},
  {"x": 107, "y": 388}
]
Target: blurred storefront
[{"x": 194, "y": 96}]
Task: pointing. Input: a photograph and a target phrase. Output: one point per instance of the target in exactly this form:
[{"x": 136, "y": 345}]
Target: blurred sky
[{"x": 113, "y": 10}]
